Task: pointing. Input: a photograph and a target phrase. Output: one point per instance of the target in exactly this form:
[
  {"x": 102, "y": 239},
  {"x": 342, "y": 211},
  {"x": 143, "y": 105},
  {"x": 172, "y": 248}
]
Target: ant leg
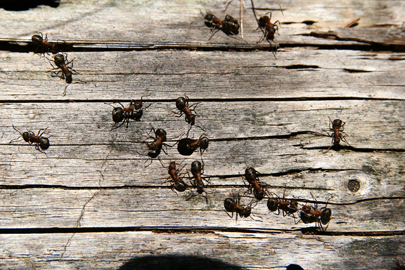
[
  {"x": 231, "y": 216},
  {"x": 192, "y": 194},
  {"x": 330, "y": 123},
  {"x": 328, "y": 149},
  {"x": 174, "y": 191},
  {"x": 16, "y": 129},
  {"x": 227, "y": 3},
  {"x": 213, "y": 33},
  {"x": 159, "y": 161},
  {"x": 44, "y": 130},
  {"x": 149, "y": 163},
  {"x": 117, "y": 126}
]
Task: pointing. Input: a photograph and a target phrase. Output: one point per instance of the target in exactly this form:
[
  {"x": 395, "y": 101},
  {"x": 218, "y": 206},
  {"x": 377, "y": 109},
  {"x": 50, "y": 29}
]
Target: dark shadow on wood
[
  {"x": 174, "y": 262},
  {"x": 14, "y": 5}
]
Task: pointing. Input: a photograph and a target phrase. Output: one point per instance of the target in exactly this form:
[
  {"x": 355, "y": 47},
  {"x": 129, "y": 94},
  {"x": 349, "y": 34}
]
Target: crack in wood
[{"x": 196, "y": 229}]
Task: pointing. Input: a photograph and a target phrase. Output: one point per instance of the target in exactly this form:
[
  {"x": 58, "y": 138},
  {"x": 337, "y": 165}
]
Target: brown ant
[
  {"x": 158, "y": 141},
  {"x": 196, "y": 170},
  {"x": 233, "y": 205},
  {"x": 337, "y": 126},
  {"x": 178, "y": 182},
  {"x": 66, "y": 68},
  {"x": 251, "y": 176},
  {"x": 186, "y": 109},
  {"x": 287, "y": 207},
  {"x": 156, "y": 146},
  {"x": 40, "y": 142},
  {"x": 268, "y": 28},
  {"x": 123, "y": 114},
  {"x": 187, "y": 146},
  {"x": 44, "y": 45},
  {"x": 229, "y": 25},
  {"x": 310, "y": 214}
]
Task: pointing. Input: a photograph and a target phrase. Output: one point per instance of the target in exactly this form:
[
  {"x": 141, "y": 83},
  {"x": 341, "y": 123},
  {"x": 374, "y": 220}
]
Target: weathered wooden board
[
  {"x": 297, "y": 74},
  {"x": 266, "y": 137},
  {"x": 212, "y": 250},
  {"x": 91, "y": 203},
  {"x": 138, "y": 207},
  {"x": 156, "y": 22}
]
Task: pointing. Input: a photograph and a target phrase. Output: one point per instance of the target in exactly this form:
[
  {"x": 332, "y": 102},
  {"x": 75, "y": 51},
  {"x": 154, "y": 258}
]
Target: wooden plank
[
  {"x": 278, "y": 146},
  {"x": 182, "y": 21},
  {"x": 162, "y": 208},
  {"x": 224, "y": 250},
  {"x": 91, "y": 203},
  {"x": 311, "y": 74}
]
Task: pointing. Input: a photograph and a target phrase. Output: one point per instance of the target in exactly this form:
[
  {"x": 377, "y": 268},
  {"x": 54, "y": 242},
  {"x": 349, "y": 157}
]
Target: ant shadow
[
  {"x": 13, "y": 5},
  {"x": 177, "y": 262}
]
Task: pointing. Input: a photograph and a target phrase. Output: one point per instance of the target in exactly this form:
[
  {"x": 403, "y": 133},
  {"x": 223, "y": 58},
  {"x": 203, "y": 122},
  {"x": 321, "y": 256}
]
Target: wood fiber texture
[{"x": 94, "y": 199}]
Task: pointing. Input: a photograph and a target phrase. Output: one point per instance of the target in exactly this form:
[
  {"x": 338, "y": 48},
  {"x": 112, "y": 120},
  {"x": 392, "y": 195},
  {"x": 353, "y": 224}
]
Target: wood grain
[{"x": 91, "y": 202}]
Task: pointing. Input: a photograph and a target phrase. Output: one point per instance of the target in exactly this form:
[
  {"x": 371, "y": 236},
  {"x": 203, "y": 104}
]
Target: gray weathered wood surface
[{"x": 90, "y": 203}]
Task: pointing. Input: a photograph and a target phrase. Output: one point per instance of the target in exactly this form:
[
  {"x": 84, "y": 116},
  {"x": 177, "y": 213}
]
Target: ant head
[
  {"x": 181, "y": 102},
  {"x": 337, "y": 123},
  {"x": 209, "y": 18},
  {"x": 263, "y": 21},
  {"x": 44, "y": 143},
  {"x": 250, "y": 174},
  {"x": 326, "y": 214},
  {"x": 180, "y": 186},
  {"x": 160, "y": 133},
  {"x": 204, "y": 141},
  {"x": 59, "y": 59},
  {"x": 26, "y": 136},
  {"x": 172, "y": 165},
  {"x": 196, "y": 166},
  {"x": 138, "y": 105},
  {"x": 37, "y": 39},
  {"x": 117, "y": 114},
  {"x": 229, "y": 204},
  {"x": 272, "y": 204}
]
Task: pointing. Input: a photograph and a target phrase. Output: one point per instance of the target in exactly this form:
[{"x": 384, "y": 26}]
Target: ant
[
  {"x": 122, "y": 114},
  {"x": 268, "y": 28},
  {"x": 187, "y": 146},
  {"x": 186, "y": 109},
  {"x": 44, "y": 44},
  {"x": 178, "y": 182},
  {"x": 156, "y": 146},
  {"x": 251, "y": 176},
  {"x": 229, "y": 25},
  {"x": 310, "y": 214},
  {"x": 337, "y": 126},
  {"x": 40, "y": 142},
  {"x": 196, "y": 170},
  {"x": 288, "y": 207},
  {"x": 233, "y": 205},
  {"x": 66, "y": 71},
  {"x": 158, "y": 141}
]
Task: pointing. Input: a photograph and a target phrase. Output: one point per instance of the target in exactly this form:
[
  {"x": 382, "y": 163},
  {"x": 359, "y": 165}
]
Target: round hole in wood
[{"x": 353, "y": 185}]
